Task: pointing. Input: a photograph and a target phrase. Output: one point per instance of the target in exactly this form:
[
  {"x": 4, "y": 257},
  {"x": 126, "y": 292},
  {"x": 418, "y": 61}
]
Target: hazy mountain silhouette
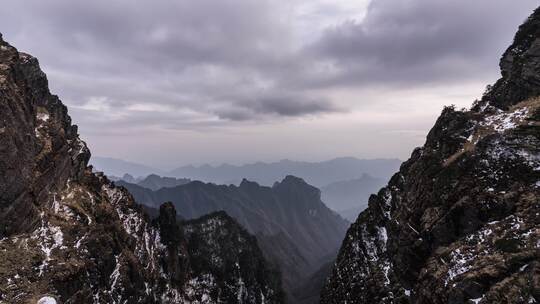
[
  {"x": 117, "y": 167},
  {"x": 349, "y": 197},
  {"x": 315, "y": 173}
]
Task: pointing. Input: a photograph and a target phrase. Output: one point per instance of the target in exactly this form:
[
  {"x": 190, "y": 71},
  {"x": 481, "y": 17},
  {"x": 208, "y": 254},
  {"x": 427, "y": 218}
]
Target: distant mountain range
[
  {"x": 346, "y": 182},
  {"x": 119, "y": 167},
  {"x": 154, "y": 181},
  {"x": 318, "y": 174},
  {"x": 349, "y": 197},
  {"x": 294, "y": 228}
]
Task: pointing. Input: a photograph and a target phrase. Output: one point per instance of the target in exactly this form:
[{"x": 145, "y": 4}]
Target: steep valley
[{"x": 294, "y": 228}]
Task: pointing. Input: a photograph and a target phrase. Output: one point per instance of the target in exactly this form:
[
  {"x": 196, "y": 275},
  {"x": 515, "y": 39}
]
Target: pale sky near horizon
[{"x": 167, "y": 83}]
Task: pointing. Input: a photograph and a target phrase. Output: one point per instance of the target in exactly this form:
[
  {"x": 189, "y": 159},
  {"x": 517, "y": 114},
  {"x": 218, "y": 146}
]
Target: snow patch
[
  {"x": 477, "y": 300},
  {"x": 42, "y": 116},
  {"x": 503, "y": 121},
  {"x": 460, "y": 264},
  {"x": 49, "y": 238},
  {"x": 46, "y": 300},
  {"x": 115, "y": 275},
  {"x": 201, "y": 287},
  {"x": 383, "y": 236},
  {"x": 387, "y": 204}
]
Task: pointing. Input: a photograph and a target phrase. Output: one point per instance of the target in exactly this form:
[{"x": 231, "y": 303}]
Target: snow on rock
[
  {"x": 387, "y": 197},
  {"x": 43, "y": 117},
  {"x": 48, "y": 238},
  {"x": 46, "y": 300},
  {"x": 502, "y": 121},
  {"x": 459, "y": 264},
  {"x": 148, "y": 242},
  {"x": 477, "y": 300},
  {"x": 199, "y": 289}
]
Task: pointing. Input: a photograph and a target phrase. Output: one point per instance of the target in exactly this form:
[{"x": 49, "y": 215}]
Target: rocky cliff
[
  {"x": 221, "y": 249},
  {"x": 293, "y": 226},
  {"x": 460, "y": 221},
  {"x": 68, "y": 235}
]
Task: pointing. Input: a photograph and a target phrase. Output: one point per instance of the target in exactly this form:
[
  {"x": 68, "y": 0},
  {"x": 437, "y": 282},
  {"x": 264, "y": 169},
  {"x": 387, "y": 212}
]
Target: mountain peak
[
  {"x": 245, "y": 183},
  {"x": 520, "y": 67},
  {"x": 293, "y": 183},
  {"x": 291, "y": 180},
  {"x": 41, "y": 149}
]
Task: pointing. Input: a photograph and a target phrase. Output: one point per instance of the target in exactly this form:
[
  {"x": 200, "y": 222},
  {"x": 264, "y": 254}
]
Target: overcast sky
[{"x": 167, "y": 83}]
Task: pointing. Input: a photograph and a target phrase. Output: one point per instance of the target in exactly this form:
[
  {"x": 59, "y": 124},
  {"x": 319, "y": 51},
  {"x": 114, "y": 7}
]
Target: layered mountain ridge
[
  {"x": 459, "y": 223},
  {"x": 68, "y": 235},
  {"x": 318, "y": 174},
  {"x": 293, "y": 226},
  {"x": 155, "y": 182},
  {"x": 347, "y": 197}
]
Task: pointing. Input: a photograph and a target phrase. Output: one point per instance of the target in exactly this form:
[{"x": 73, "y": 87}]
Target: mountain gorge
[
  {"x": 68, "y": 235},
  {"x": 293, "y": 226},
  {"x": 459, "y": 223}
]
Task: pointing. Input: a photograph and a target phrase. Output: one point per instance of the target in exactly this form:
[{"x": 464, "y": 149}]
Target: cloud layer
[{"x": 197, "y": 64}]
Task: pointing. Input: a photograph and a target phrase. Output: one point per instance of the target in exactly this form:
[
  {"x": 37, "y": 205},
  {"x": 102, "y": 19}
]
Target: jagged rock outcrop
[
  {"x": 460, "y": 221},
  {"x": 226, "y": 257},
  {"x": 294, "y": 228},
  {"x": 69, "y": 235},
  {"x": 520, "y": 68}
]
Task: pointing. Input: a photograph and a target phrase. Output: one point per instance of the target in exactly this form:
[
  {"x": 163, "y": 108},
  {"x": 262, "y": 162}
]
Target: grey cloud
[
  {"x": 244, "y": 108},
  {"x": 293, "y": 105},
  {"x": 235, "y": 61},
  {"x": 186, "y": 54},
  {"x": 421, "y": 41}
]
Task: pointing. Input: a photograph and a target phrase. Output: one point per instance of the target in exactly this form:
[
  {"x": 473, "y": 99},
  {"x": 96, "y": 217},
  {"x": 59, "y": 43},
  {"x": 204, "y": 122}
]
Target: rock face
[
  {"x": 460, "y": 221},
  {"x": 293, "y": 226},
  {"x": 227, "y": 258},
  {"x": 520, "y": 68},
  {"x": 71, "y": 235}
]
